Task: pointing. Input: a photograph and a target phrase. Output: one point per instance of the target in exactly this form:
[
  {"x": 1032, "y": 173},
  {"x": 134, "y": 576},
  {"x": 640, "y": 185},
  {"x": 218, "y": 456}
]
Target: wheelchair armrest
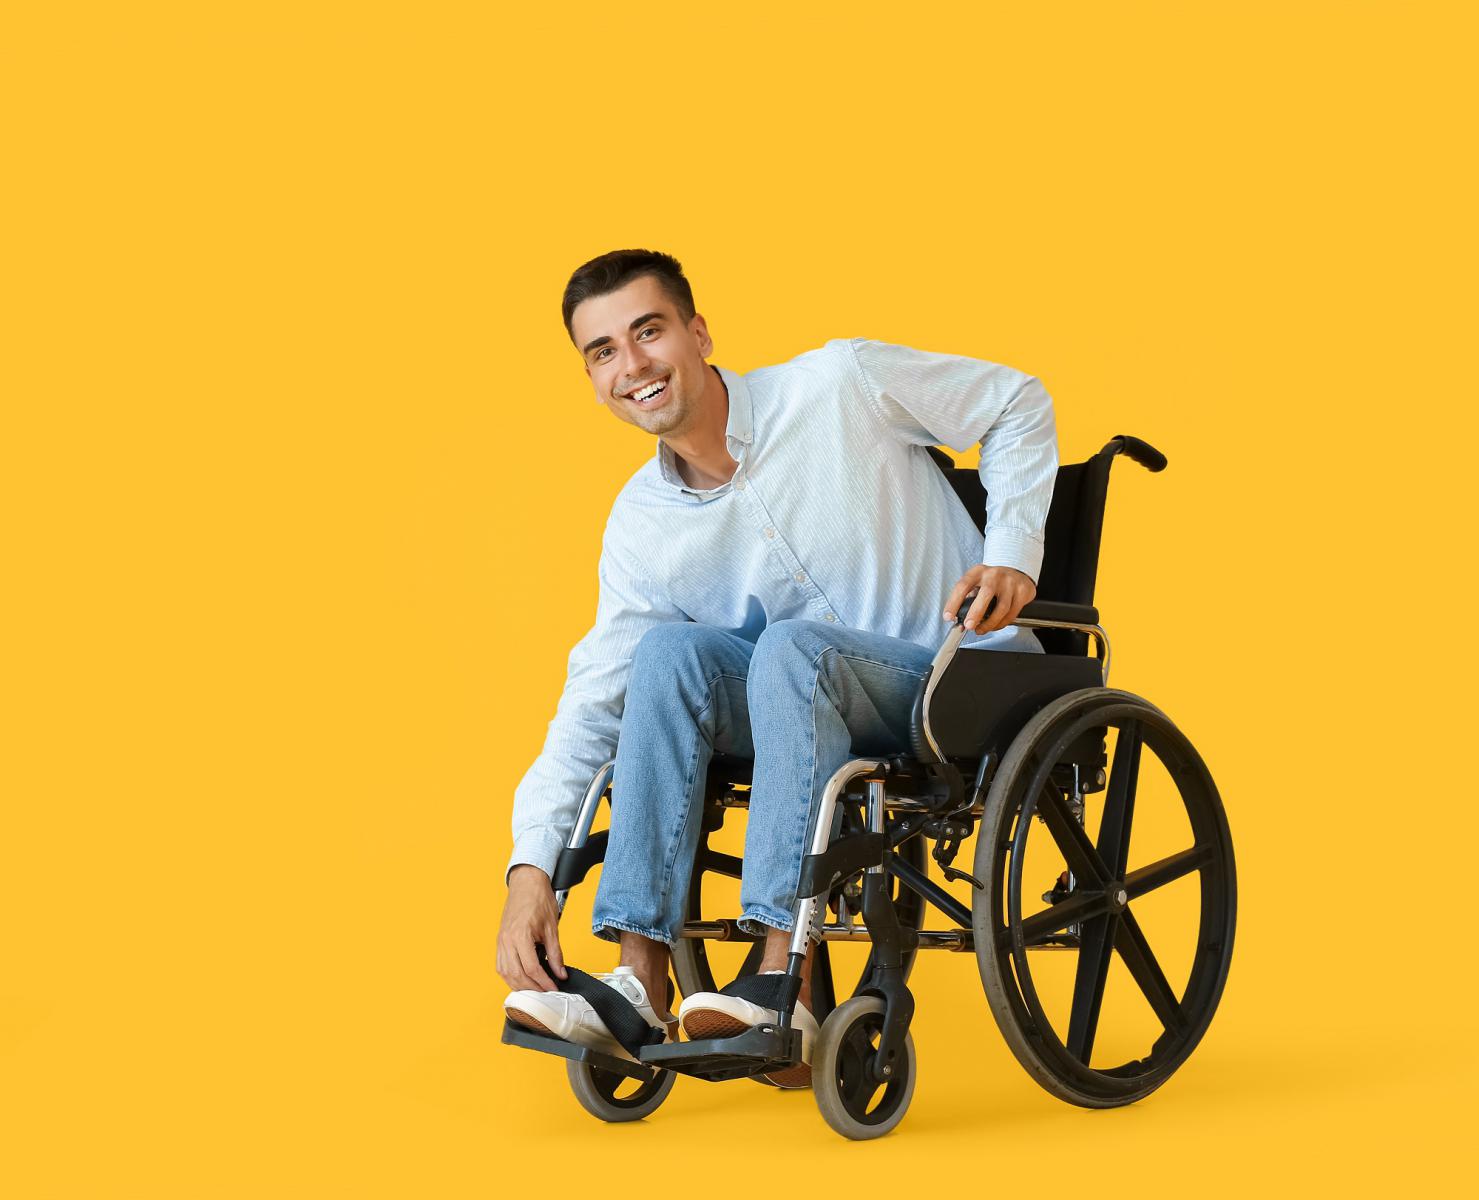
[
  {"x": 1053, "y": 610},
  {"x": 1038, "y": 610},
  {"x": 574, "y": 865},
  {"x": 1040, "y": 676}
]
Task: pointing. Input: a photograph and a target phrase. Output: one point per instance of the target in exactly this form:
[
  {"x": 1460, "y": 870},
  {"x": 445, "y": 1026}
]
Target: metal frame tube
[
  {"x": 821, "y": 836},
  {"x": 875, "y": 815},
  {"x": 585, "y": 818}
]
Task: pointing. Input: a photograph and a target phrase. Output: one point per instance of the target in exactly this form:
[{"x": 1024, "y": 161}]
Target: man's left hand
[{"x": 1013, "y": 591}]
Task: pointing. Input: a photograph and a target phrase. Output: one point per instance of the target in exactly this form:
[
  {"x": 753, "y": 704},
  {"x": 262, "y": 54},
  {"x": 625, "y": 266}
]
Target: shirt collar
[{"x": 737, "y": 433}]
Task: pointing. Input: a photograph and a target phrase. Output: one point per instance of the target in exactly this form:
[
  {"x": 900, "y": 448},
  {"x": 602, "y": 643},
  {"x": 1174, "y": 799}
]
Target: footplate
[
  {"x": 548, "y": 1043},
  {"x": 757, "y": 1051}
]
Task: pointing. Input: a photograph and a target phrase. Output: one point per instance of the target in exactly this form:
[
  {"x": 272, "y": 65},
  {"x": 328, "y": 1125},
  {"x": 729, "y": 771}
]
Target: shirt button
[
  {"x": 769, "y": 531},
  {"x": 830, "y": 617},
  {"x": 740, "y": 484},
  {"x": 800, "y": 576}
]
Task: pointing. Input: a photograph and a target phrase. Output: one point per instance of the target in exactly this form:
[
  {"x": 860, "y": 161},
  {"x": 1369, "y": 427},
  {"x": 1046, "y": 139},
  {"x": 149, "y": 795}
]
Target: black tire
[
  {"x": 840, "y": 1057},
  {"x": 1024, "y": 788},
  {"x": 613, "y": 1097}
]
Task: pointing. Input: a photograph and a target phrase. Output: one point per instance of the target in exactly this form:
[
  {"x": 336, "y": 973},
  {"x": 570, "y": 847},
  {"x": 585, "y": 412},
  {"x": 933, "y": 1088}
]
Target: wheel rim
[
  {"x": 855, "y": 1086},
  {"x": 1102, "y": 902}
]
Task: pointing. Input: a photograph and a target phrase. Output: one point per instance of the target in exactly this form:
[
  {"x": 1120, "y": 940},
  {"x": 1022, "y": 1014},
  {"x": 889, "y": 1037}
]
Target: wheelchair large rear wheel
[{"x": 1089, "y": 1031}]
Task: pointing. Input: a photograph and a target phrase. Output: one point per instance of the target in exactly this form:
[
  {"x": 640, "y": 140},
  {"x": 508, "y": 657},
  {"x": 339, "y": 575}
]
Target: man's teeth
[{"x": 648, "y": 392}]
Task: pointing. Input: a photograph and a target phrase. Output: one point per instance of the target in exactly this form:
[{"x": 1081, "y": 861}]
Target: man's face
[{"x": 633, "y": 338}]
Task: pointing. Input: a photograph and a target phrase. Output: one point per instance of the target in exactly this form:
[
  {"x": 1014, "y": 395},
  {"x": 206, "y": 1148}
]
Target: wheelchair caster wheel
[
  {"x": 613, "y": 1097},
  {"x": 851, "y": 1101}
]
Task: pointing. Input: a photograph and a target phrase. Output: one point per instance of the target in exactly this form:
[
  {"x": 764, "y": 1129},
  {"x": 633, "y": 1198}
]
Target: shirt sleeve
[
  {"x": 582, "y": 736},
  {"x": 928, "y": 399}
]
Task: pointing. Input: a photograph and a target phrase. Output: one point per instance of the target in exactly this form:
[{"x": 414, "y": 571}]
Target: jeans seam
[
  {"x": 755, "y": 912},
  {"x": 811, "y": 794},
  {"x": 749, "y": 915},
  {"x": 873, "y": 662},
  {"x": 601, "y": 923}
]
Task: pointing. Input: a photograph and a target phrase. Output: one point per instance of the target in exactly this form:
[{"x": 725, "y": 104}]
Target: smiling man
[{"x": 771, "y": 587}]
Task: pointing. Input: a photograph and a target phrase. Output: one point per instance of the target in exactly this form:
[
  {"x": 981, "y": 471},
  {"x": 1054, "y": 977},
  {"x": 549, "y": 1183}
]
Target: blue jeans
[{"x": 800, "y": 701}]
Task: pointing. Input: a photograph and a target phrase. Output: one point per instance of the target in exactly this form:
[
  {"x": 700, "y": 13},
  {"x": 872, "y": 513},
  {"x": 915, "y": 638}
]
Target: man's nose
[{"x": 636, "y": 362}]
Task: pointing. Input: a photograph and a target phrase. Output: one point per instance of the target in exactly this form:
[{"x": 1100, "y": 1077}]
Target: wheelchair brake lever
[
  {"x": 949, "y": 832},
  {"x": 954, "y": 875}
]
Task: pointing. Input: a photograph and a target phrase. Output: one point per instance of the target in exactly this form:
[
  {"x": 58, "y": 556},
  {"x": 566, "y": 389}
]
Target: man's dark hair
[{"x": 617, "y": 268}]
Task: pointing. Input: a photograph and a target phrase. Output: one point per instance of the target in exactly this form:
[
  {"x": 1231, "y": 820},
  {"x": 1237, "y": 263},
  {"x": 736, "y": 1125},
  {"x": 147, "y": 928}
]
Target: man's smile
[{"x": 650, "y": 395}]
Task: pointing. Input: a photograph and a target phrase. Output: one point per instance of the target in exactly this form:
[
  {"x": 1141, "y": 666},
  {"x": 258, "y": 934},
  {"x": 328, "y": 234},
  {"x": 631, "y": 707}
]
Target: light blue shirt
[{"x": 835, "y": 513}]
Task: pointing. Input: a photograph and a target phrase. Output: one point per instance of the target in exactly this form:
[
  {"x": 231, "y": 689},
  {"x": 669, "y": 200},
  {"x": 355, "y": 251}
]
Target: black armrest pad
[{"x": 1052, "y": 610}]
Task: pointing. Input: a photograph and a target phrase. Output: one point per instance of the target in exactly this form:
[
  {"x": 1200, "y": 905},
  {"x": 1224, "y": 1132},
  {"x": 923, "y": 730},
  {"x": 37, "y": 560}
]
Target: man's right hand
[{"x": 530, "y": 916}]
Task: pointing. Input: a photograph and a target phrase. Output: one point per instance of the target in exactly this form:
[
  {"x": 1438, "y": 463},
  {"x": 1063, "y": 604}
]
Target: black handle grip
[
  {"x": 1141, "y": 452},
  {"x": 965, "y": 607}
]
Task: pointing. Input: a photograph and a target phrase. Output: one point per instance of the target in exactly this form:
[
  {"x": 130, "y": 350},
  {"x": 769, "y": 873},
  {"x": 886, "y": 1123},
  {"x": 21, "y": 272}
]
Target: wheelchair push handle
[{"x": 1139, "y": 451}]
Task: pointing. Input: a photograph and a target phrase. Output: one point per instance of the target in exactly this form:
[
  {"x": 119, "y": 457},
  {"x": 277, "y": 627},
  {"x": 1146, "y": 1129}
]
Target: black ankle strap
[
  {"x": 768, "y": 991},
  {"x": 617, "y": 1013}
]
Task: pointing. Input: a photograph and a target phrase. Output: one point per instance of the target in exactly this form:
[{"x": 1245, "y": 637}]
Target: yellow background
[{"x": 303, "y": 489}]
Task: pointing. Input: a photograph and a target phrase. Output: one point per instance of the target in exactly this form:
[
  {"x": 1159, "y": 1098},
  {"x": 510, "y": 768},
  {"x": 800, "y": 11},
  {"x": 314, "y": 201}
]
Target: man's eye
[{"x": 649, "y": 329}]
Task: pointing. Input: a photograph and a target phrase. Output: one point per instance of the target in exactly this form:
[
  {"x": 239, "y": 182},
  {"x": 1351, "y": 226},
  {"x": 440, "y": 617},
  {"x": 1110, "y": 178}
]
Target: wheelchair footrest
[
  {"x": 517, "y": 1035},
  {"x": 756, "y": 1051}
]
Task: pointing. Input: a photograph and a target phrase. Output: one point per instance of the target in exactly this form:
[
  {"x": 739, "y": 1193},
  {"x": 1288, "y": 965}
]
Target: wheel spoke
[
  {"x": 1088, "y": 984},
  {"x": 1119, "y": 801},
  {"x": 1158, "y": 874},
  {"x": 1083, "y": 860},
  {"x": 1080, "y": 905},
  {"x": 1135, "y": 950}
]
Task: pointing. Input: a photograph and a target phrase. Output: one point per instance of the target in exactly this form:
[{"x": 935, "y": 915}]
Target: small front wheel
[
  {"x": 613, "y": 1097},
  {"x": 850, "y": 1099}
]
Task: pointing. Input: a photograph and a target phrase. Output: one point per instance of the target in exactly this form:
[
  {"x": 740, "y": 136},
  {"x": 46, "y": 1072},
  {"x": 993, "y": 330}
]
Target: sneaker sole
[
  {"x": 705, "y": 1023},
  {"x": 519, "y": 1017}
]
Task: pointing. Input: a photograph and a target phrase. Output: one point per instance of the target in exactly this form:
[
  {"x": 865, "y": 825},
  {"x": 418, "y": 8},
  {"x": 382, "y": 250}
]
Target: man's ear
[{"x": 700, "y": 329}]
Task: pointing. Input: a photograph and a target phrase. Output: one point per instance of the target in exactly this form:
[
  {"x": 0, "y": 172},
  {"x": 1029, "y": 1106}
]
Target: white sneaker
[
  {"x": 715, "y": 1015},
  {"x": 571, "y": 1017}
]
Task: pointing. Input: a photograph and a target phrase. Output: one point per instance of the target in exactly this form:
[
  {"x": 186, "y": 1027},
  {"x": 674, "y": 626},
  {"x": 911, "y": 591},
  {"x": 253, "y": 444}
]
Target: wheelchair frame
[{"x": 996, "y": 710}]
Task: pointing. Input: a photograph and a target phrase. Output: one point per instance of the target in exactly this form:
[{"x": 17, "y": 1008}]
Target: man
[{"x": 769, "y": 584}]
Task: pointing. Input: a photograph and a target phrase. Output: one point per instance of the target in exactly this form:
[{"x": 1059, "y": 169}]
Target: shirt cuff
[
  {"x": 1007, "y": 547},
  {"x": 540, "y": 848}
]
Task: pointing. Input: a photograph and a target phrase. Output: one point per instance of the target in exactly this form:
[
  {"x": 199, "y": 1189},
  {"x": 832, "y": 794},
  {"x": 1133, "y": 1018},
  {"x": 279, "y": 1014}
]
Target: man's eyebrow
[{"x": 603, "y": 339}]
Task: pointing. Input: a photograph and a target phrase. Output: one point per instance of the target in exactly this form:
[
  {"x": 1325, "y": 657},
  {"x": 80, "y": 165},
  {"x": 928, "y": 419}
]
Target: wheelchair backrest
[{"x": 1070, "y": 541}]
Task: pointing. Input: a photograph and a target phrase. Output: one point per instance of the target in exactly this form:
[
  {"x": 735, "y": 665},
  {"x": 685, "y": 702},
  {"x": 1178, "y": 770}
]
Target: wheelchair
[{"x": 1030, "y": 752}]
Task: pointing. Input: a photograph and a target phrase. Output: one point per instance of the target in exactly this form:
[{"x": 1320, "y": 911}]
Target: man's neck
[{"x": 702, "y": 451}]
